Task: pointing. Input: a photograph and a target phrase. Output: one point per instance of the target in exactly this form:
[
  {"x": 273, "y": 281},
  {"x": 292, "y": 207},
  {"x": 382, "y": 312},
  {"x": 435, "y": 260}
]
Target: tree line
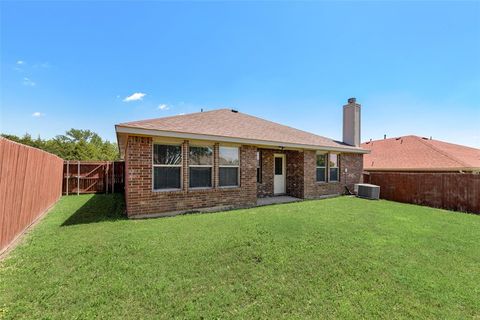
[{"x": 75, "y": 144}]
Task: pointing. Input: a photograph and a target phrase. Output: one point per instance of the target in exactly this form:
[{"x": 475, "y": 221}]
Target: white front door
[{"x": 279, "y": 174}]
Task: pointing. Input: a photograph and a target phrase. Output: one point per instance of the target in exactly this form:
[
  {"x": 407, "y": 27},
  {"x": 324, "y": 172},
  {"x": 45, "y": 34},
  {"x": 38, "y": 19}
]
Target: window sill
[
  {"x": 167, "y": 190},
  {"x": 327, "y": 182},
  {"x": 228, "y": 187},
  {"x": 200, "y": 188}
]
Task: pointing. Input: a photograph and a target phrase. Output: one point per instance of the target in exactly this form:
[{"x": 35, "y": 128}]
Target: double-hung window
[
  {"x": 200, "y": 161},
  {"x": 322, "y": 167},
  {"x": 229, "y": 166},
  {"x": 333, "y": 167},
  {"x": 167, "y": 166}
]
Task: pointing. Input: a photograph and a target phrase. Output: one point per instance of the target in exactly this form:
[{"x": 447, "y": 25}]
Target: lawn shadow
[{"x": 100, "y": 207}]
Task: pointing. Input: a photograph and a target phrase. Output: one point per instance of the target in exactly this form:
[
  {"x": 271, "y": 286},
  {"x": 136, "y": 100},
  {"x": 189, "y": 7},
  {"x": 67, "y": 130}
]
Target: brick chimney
[{"x": 351, "y": 123}]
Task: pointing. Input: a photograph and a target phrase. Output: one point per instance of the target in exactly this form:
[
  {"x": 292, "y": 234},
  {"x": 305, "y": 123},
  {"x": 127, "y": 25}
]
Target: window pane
[
  {"x": 200, "y": 177},
  {"x": 166, "y": 177},
  {"x": 228, "y": 176},
  {"x": 321, "y": 173},
  {"x": 278, "y": 166},
  {"x": 259, "y": 166},
  {"x": 333, "y": 160},
  {"x": 165, "y": 154},
  {"x": 333, "y": 174},
  {"x": 228, "y": 156},
  {"x": 321, "y": 160},
  {"x": 201, "y": 156}
]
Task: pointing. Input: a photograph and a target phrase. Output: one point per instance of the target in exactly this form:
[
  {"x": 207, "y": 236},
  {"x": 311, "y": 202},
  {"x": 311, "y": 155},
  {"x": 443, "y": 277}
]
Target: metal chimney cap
[{"x": 352, "y": 100}]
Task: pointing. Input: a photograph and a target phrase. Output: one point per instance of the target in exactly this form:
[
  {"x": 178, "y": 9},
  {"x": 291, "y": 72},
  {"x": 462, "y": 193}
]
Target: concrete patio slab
[{"x": 275, "y": 200}]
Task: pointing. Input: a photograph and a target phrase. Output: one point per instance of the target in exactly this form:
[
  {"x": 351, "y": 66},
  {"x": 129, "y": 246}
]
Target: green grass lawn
[{"x": 335, "y": 258}]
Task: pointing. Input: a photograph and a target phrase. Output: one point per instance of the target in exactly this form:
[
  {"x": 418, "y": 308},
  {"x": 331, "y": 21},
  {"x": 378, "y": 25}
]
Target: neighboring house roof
[
  {"x": 232, "y": 126},
  {"x": 412, "y": 153}
]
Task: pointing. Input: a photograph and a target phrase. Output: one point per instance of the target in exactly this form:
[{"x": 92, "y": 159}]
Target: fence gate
[{"x": 93, "y": 177}]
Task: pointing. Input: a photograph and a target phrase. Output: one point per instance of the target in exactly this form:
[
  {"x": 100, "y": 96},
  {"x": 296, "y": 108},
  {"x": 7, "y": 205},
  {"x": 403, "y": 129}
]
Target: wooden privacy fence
[
  {"x": 93, "y": 177},
  {"x": 30, "y": 183},
  {"x": 447, "y": 190}
]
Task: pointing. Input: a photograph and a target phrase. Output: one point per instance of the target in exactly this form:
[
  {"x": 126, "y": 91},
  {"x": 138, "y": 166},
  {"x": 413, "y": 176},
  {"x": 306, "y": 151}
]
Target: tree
[{"x": 75, "y": 144}]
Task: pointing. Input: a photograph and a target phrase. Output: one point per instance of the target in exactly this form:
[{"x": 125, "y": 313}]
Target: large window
[
  {"x": 167, "y": 166},
  {"x": 333, "y": 167},
  {"x": 322, "y": 167},
  {"x": 259, "y": 166},
  {"x": 200, "y": 163},
  {"x": 229, "y": 166}
]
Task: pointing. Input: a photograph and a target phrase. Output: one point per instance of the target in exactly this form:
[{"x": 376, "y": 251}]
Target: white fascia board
[{"x": 183, "y": 135}]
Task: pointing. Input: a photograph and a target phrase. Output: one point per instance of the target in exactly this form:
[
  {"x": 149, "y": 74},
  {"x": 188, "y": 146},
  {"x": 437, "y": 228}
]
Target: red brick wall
[
  {"x": 295, "y": 173},
  {"x": 300, "y": 171},
  {"x": 313, "y": 189},
  {"x": 265, "y": 188},
  {"x": 141, "y": 199},
  {"x": 301, "y": 174}
]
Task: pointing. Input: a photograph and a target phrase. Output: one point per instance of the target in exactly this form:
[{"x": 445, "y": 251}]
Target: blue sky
[{"x": 414, "y": 66}]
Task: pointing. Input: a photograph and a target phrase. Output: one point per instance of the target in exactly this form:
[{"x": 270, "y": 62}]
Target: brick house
[{"x": 225, "y": 159}]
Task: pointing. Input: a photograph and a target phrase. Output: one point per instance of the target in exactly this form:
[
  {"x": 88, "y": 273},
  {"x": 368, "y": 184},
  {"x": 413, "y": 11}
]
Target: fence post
[
  {"x": 78, "y": 177},
  {"x": 68, "y": 174},
  {"x": 106, "y": 177},
  {"x": 113, "y": 176}
]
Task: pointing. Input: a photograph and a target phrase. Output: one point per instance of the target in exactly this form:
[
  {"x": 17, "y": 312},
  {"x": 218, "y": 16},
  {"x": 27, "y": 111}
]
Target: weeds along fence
[
  {"x": 447, "y": 190},
  {"x": 81, "y": 177},
  {"x": 30, "y": 183}
]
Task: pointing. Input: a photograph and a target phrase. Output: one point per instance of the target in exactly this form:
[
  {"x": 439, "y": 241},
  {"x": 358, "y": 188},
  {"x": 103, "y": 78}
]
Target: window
[
  {"x": 259, "y": 166},
  {"x": 333, "y": 167},
  {"x": 167, "y": 166},
  {"x": 229, "y": 166},
  {"x": 200, "y": 161},
  {"x": 278, "y": 168},
  {"x": 322, "y": 167}
]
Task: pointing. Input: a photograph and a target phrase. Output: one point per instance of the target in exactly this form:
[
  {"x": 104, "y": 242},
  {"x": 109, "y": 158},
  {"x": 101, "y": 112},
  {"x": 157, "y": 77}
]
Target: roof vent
[
  {"x": 234, "y": 111},
  {"x": 398, "y": 138},
  {"x": 424, "y": 138}
]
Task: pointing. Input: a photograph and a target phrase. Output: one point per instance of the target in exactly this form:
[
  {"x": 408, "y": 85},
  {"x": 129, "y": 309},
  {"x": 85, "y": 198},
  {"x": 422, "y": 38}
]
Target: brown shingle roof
[
  {"x": 230, "y": 124},
  {"x": 416, "y": 153}
]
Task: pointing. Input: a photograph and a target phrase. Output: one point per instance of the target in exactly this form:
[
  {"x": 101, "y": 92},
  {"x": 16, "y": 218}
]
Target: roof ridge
[{"x": 442, "y": 152}]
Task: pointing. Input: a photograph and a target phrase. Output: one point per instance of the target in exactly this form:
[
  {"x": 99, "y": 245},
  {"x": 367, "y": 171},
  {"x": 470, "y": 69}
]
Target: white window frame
[
  {"x": 325, "y": 168},
  {"x": 337, "y": 167},
  {"x": 201, "y": 165},
  {"x": 167, "y": 165},
  {"x": 229, "y": 166}
]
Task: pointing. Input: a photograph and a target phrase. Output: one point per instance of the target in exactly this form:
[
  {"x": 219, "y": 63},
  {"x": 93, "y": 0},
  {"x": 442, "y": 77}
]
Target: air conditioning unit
[{"x": 367, "y": 191}]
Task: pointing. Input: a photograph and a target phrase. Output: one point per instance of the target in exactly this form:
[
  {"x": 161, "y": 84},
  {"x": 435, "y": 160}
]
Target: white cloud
[
  {"x": 163, "y": 107},
  {"x": 20, "y": 62},
  {"x": 42, "y": 65},
  {"x": 181, "y": 114},
  {"x": 38, "y": 114},
  {"x": 135, "y": 97},
  {"x": 28, "y": 82}
]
